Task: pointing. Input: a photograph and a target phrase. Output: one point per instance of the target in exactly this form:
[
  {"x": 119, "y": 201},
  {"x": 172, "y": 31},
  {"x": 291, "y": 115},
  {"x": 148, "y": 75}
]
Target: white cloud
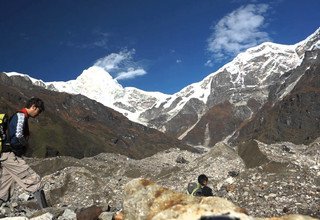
[
  {"x": 114, "y": 60},
  {"x": 130, "y": 74},
  {"x": 121, "y": 65},
  {"x": 178, "y": 61},
  {"x": 239, "y": 30},
  {"x": 209, "y": 63}
]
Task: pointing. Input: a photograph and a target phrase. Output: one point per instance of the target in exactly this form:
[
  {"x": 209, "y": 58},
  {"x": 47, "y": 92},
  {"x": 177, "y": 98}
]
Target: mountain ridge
[{"x": 246, "y": 82}]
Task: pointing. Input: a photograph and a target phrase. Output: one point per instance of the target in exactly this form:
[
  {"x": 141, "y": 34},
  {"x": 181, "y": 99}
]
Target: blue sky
[{"x": 148, "y": 44}]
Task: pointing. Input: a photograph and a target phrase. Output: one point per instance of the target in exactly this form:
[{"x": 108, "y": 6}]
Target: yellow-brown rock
[{"x": 145, "y": 200}]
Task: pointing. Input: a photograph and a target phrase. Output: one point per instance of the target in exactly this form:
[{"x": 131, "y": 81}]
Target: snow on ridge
[
  {"x": 61, "y": 86},
  {"x": 275, "y": 55},
  {"x": 33, "y": 80},
  {"x": 199, "y": 90},
  {"x": 309, "y": 38},
  {"x": 158, "y": 95},
  {"x": 251, "y": 53}
]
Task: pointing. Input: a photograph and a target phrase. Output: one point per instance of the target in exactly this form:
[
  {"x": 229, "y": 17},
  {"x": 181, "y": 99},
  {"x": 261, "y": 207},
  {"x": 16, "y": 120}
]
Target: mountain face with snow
[
  {"x": 292, "y": 118},
  {"x": 208, "y": 111}
]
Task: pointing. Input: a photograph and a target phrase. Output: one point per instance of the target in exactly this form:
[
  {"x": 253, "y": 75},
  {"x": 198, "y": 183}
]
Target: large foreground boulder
[{"x": 145, "y": 200}]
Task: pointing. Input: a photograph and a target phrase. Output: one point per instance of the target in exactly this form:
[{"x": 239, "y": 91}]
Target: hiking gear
[
  {"x": 194, "y": 189},
  {"x": 3, "y": 130},
  {"x": 41, "y": 198},
  {"x": 14, "y": 170}
]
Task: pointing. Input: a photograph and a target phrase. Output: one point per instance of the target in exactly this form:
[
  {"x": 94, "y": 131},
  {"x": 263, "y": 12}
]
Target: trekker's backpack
[
  {"x": 194, "y": 189},
  {"x": 4, "y": 121}
]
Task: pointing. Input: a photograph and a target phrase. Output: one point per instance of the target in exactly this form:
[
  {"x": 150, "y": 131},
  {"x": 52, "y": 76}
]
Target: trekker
[
  {"x": 205, "y": 190},
  {"x": 14, "y": 170},
  {"x": 200, "y": 188}
]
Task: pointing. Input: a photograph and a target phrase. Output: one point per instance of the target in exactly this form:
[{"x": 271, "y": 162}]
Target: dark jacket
[
  {"x": 206, "y": 191},
  {"x": 19, "y": 132},
  {"x": 203, "y": 191}
]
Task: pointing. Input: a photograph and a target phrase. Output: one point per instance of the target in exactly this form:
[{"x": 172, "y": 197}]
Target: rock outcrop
[{"x": 144, "y": 200}]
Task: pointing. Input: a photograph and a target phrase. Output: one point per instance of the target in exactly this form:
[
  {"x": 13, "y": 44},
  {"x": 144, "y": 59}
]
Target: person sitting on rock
[
  {"x": 200, "y": 188},
  {"x": 204, "y": 189}
]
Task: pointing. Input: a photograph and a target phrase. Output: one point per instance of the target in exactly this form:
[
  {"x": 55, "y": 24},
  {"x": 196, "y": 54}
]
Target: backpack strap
[
  {"x": 3, "y": 118},
  {"x": 3, "y": 129},
  {"x": 196, "y": 189}
]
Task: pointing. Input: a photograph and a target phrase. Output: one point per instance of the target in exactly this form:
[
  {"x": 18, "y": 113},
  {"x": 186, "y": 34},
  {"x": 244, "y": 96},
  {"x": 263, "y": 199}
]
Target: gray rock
[
  {"x": 106, "y": 216},
  {"x": 68, "y": 214}
]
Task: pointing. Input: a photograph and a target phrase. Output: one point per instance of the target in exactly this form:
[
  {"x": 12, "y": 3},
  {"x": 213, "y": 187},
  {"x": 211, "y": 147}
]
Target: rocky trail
[{"x": 264, "y": 180}]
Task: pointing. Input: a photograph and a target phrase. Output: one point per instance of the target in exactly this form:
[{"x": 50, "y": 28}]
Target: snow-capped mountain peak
[
  {"x": 98, "y": 75},
  {"x": 98, "y": 84},
  {"x": 93, "y": 82}
]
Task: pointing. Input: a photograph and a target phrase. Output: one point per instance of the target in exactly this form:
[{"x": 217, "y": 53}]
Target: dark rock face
[
  {"x": 214, "y": 125},
  {"x": 185, "y": 118},
  {"x": 296, "y": 117},
  {"x": 74, "y": 125}
]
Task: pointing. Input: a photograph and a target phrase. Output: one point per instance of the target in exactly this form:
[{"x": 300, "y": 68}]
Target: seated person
[
  {"x": 205, "y": 190},
  {"x": 200, "y": 188}
]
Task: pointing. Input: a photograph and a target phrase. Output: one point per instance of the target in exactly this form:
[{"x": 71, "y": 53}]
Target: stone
[
  {"x": 181, "y": 159},
  {"x": 90, "y": 213},
  {"x": 24, "y": 196},
  {"x": 46, "y": 216},
  {"x": 118, "y": 216},
  {"x": 106, "y": 216},
  {"x": 233, "y": 173},
  {"x": 68, "y": 214}
]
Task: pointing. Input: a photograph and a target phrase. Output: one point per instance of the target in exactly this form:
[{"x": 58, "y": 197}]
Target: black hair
[
  {"x": 38, "y": 103},
  {"x": 202, "y": 178}
]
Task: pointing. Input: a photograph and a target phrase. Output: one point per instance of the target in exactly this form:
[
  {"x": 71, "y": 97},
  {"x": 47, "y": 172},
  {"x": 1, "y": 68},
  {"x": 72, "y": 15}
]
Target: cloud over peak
[
  {"x": 121, "y": 65},
  {"x": 237, "y": 31}
]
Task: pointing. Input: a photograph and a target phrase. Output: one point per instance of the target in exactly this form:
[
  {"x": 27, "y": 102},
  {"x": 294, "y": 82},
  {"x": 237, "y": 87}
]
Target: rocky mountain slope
[
  {"x": 294, "y": 117},
  {"x": 238, "y": 90},
  {"x": 77, "y": 126}
]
